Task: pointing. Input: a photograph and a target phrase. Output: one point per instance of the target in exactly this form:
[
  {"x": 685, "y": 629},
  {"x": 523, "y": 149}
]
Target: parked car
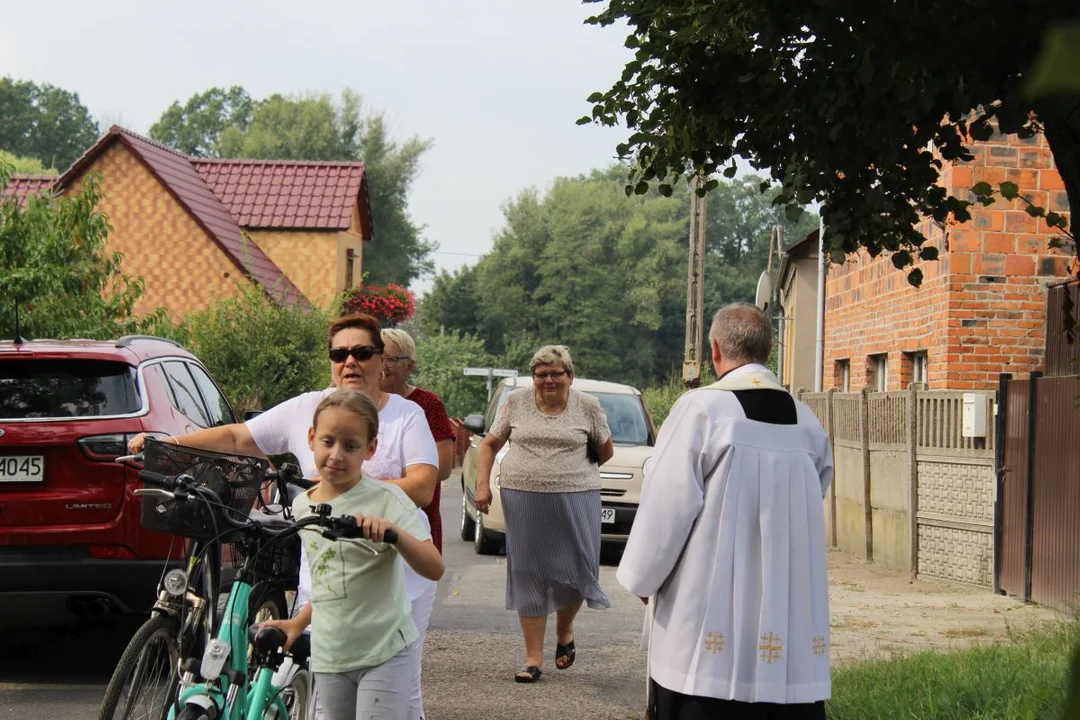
[
  {"x": 70, "y": 538},
  {"x": 632, "y": 432}
]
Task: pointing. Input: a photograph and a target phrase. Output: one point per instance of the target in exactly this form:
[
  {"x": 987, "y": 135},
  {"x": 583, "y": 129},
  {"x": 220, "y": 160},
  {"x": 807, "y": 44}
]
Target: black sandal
[
  {"x": 527, "y": 674},
  {"x": 566, "y": 651}
]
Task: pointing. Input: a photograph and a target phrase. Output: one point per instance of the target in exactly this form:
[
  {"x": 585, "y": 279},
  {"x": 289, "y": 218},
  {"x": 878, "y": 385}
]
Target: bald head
[{"x": 743, "y": 333}]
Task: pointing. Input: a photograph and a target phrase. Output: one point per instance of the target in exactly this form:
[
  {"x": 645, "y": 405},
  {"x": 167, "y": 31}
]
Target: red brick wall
[{"x": 981, "y": 308}]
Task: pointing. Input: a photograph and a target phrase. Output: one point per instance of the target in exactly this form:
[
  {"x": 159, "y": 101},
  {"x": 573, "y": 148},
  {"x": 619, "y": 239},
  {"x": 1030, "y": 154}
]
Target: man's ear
[{"x": 716, "y": 356}]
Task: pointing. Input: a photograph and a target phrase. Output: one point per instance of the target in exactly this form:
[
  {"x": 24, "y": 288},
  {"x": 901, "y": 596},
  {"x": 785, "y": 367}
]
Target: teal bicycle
[{"x": 237, "y": 677}]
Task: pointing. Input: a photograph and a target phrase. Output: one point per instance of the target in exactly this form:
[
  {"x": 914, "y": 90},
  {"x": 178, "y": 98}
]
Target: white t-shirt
[{"x": 404, "y": 439}]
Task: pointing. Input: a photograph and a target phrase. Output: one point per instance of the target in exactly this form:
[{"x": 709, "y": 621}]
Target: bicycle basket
[
  {"x": 277, "y": 560},
  {"x": 236, "y": 479}
]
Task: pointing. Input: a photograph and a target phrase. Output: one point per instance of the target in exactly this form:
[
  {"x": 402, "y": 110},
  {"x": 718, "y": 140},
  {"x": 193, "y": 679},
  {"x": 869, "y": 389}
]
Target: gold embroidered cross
[
  {"x": 756, "y": 380},
  {"x": 820, "y": 646},
  {"x": 771, "y": 647},
  {"x": 714, "y": 643}
]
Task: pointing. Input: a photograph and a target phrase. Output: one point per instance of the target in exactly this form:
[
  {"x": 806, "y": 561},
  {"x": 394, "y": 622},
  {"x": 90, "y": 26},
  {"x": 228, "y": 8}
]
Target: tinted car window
[
  {"x": 626, "y": 418},
  {"x": 66, "y": 388},
  {"x": 501, "y": 393},
  {"x": 186, "y": 393},
  {"x": 216, "y": 404}
]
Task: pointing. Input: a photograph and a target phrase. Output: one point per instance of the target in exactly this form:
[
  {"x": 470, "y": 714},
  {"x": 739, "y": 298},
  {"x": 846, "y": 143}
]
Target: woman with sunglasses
[
  {"x": 549, "y": 485},
  {"x": 405, "y": 456}
]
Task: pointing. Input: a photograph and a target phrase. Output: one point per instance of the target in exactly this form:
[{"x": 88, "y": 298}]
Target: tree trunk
[{"x": 1061, "y": 123}]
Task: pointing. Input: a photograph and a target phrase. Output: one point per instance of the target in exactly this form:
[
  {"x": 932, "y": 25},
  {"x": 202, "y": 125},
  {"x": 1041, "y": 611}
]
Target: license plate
[
  {"x": 607, "y": 516},
  {"x": 22, "y": 468}
]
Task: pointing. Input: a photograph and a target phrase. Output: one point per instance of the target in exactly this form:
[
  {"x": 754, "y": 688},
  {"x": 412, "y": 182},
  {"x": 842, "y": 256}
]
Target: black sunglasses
[{"x": 360, "y": 353}]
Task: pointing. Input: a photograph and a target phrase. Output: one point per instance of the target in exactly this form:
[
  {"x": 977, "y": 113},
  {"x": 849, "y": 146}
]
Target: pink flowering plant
[{"x": 391, "y": 304}]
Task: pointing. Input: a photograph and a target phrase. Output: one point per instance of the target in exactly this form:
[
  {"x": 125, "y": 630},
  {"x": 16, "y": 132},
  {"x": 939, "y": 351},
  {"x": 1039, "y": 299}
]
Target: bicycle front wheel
[{"x": 145, "y": 680}]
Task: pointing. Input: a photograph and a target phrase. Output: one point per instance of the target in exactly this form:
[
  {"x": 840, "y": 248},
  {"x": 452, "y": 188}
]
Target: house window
[
  {"x": 842, "y": 375},
  {"x": 918, "y": 364},
  {"x": 879, "y": 367},
  {"x": 350, "y": 256}
]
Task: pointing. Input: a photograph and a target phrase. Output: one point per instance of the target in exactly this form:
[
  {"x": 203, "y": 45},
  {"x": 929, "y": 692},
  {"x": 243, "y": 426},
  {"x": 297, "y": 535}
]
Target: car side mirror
[
  {"x": 252, "y": 414},
  {"x": 475, "y": 424}
]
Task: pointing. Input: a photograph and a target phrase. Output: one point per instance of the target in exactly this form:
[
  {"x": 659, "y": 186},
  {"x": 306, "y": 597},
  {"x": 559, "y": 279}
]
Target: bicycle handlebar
[{"x": 344, "y": 526}]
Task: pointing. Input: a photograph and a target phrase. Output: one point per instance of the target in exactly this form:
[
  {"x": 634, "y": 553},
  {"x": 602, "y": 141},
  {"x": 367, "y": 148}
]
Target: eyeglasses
[
  {"x": 553, "y": 375},
  {"x": 360, "y": 353},
  {"x": 392, "y": 360}
]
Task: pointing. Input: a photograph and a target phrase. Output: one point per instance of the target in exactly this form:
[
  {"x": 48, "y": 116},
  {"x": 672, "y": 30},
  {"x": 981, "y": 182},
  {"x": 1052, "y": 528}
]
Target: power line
[{"x": 445, "y": 252}]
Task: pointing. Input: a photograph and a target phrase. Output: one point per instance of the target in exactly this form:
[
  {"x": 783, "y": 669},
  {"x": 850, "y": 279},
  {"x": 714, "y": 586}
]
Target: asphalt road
[{"x": 473, "y": 648}]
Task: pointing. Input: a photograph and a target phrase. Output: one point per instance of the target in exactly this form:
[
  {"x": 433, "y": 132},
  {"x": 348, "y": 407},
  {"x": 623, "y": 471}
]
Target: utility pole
[{"x": 695, "y": 286}]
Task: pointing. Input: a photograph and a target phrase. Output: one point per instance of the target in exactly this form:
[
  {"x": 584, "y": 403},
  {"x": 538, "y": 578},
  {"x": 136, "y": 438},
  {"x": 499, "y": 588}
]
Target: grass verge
[{"x": 1021, "y": 678}]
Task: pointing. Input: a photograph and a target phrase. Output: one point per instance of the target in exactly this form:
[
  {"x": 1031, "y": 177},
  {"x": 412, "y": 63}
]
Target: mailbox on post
[{"x": 973, "y": 421}]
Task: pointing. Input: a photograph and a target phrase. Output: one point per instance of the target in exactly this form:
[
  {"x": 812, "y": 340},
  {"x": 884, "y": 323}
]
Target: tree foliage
[
  {"x": 315, "y": 126},
  {"x": 440, "y": 360},
  {"x": 261, "y": 351},
  {"x": 55, "y": 265},
  {"x": 586, "y": 266},
  {"x": 24, "y": 165},
  {"x": 855, "y": 105},
  {"x": 44, "y": 122}
]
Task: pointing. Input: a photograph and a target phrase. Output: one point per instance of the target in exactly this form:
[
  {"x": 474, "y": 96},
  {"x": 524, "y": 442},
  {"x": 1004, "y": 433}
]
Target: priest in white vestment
[{"x": 728, "y": 547}]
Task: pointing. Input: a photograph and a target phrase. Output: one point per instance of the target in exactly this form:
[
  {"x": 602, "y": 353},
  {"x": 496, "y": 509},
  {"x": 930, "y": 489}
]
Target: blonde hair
[
  {"x": 553, "y": 355},
  {"x": 402, "y": 340},
  {"x": 355, "y": 402}
]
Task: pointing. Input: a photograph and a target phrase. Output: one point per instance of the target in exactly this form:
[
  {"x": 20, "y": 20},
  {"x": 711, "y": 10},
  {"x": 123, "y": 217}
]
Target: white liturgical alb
[{"x": 729, "y": 544}]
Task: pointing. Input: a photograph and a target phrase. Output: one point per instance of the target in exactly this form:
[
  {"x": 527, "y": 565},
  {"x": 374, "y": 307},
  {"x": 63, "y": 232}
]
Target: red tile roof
[
  {"x": 22, "y": 185},
  {"x": 289, "y": 194},
  {"x": 179, "y": 176}
]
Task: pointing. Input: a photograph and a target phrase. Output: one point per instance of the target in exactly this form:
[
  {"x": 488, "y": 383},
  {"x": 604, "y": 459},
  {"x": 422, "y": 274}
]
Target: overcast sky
[{"x": 497, "y": 84}]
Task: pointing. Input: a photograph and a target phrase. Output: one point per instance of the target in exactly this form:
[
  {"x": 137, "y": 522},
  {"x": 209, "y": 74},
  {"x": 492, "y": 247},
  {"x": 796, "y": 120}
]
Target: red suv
[{"x": 70, "y": 537}]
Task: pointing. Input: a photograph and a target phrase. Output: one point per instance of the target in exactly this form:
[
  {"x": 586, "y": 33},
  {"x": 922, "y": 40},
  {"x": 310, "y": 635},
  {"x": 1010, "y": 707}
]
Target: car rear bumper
[
  {"x": 69, "y": 581},
  {"x": 616, "y": 533}
]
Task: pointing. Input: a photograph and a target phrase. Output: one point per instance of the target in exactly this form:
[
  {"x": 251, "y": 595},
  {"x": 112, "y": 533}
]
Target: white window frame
[
  {"x": 881, "y": 372},
  {"x": 920, "y": 366},
  {"x": 845, "y": 375}
]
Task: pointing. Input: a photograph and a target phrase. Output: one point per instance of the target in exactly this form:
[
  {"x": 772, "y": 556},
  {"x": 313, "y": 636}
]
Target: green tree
[
  {"x": 44, "y": 122},
  {"x": 55, "y": 266},
  {"x": 229, "y": 124},
  {"x": 24, "y": 165},
  {"x": 261, "y": 351},
  {"x": 440, "y": 360},
  {"x": 854, "y": 105},
  {"x": 197, "y": 126},
  {"x": 587, "y": 266}
]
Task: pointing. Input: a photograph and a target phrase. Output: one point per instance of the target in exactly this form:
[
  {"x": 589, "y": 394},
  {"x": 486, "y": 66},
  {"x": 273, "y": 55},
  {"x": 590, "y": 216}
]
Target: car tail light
[
  {"x": 111, "y": 552},
  {"x": 104, "y": 448}
]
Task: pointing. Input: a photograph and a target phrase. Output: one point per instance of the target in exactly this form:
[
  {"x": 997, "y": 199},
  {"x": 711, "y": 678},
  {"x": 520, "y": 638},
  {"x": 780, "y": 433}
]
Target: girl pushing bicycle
[{"x": 359, "y": 612}]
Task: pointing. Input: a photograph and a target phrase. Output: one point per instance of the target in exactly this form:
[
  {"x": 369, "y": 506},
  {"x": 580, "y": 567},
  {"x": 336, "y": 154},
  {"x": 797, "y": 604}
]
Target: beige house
[
  {"x": 200, "y": 230},
  {"x": 797, "y": 297}
]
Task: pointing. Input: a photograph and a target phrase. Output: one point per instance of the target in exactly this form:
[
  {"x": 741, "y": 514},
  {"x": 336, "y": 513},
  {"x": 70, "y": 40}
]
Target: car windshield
[
  {"x": 38, "y": 388},
  {"x": 626, "y": 418}
]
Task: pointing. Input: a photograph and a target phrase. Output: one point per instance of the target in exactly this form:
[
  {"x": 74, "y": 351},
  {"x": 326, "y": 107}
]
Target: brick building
[
  {"x": 198, "y": 230},
  {"x": 981, "y": 309}
]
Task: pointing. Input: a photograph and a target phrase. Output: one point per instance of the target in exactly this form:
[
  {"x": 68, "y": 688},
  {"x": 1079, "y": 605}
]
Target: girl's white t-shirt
[{"x": 404, "y": 439}]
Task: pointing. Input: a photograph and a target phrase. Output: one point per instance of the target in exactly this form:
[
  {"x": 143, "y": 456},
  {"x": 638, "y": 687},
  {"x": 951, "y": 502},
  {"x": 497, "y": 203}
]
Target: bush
[
  {"x": 659, "y": 399},
  {"x": 260, "y": 351},
  {"x": 440, "y": 362}
]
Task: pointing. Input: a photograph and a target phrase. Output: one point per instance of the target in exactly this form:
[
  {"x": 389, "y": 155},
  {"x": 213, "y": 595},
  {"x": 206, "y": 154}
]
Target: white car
[{"x": 632, "y": 433}]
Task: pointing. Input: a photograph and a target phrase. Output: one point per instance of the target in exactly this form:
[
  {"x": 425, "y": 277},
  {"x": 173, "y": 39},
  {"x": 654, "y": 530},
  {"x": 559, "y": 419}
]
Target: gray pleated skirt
[{"x": 552, "y": 551}]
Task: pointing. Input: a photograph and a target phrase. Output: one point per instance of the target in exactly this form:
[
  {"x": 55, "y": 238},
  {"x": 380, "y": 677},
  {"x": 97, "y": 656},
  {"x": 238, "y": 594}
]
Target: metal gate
[{"x": 1037, "y": 514}]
